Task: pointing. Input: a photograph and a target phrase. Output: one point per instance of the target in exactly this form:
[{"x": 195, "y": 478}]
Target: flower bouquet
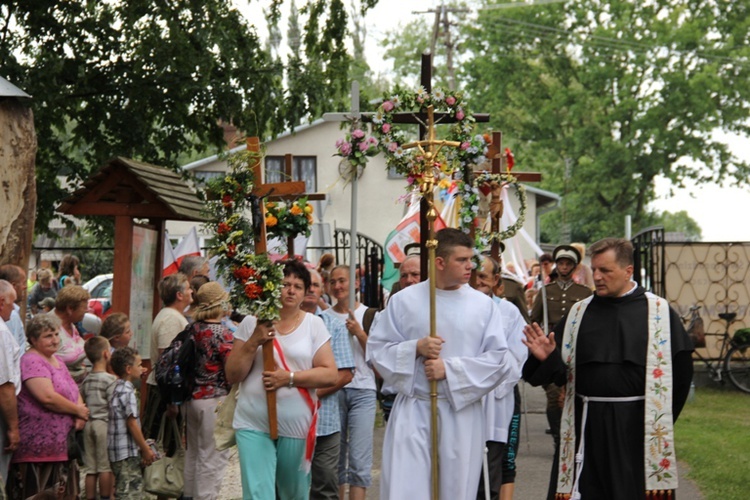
[
  {"x": 288, "y": 219},
  {"x": 356, "y": 147}
]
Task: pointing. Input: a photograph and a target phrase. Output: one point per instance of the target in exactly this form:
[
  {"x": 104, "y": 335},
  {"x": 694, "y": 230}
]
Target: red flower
[
  {"x": 658, "y": 372},
  {"x": 223, "y": 228},
  {"x": 244, "y": 273},
  {"x": 231, "y": 250},
  {"x": 664, "y": 463},
  {"x": 226, "y": 200},
  {"x": 253, "y": 291},
  {"x": 565, "y": 468}
]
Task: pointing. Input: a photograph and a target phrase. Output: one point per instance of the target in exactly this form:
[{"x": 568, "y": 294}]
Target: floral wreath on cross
[
  {"x": 470, "y": 200},
  {"x": 286, "y": 219},
  {"x": 407, "y": 162},
  {"x": 254, "y": 280}
]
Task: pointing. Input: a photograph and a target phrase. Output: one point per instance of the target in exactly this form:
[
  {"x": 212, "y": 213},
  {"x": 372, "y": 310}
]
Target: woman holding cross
[{"x": 304, "y": 362}]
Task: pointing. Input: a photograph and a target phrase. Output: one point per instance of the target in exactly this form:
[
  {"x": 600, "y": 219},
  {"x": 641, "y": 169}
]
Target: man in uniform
[
  {"x": 561, "y": 294},
  {"x": 625, "y": 359}
]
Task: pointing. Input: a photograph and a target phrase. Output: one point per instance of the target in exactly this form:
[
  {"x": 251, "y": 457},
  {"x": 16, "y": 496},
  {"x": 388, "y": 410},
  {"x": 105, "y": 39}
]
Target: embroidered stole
[{"x": 660, "y": 461}]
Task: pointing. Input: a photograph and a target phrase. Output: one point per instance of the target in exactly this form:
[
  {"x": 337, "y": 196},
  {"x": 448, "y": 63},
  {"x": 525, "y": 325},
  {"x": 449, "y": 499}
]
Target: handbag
[
  {"x": 223, "y": 430},
  {"x": 165, "y": 477},
  {"x": 74, "y": 441}
]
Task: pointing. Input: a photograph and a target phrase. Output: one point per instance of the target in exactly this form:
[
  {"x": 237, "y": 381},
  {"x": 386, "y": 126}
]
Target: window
[{"x": 304, "y": 168}]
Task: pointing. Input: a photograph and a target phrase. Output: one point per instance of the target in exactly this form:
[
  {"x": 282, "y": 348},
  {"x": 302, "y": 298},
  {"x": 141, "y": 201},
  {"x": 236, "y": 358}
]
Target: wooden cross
[
  {"x": 284, "y": 191},
  {"x": 498, "y": 158},
  {"x": 421, "y": 119}
]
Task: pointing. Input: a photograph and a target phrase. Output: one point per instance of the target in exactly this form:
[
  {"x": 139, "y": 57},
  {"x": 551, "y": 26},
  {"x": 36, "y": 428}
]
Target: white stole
[{"x": 660, "y": 460}]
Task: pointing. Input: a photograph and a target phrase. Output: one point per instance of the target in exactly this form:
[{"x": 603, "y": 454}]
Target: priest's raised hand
[{"x": 540, "y": 346}]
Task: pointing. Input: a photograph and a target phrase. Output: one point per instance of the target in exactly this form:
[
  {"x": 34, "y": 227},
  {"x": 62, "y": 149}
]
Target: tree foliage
[
  {"x": 151, "y": 80},
  {"x": 603, "y": 97}
]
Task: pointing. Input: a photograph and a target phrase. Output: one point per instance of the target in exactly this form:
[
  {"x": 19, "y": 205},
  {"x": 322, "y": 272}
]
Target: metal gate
[
  {"x": 648, "y": 260},
  {"x": 369, "y": 258}
]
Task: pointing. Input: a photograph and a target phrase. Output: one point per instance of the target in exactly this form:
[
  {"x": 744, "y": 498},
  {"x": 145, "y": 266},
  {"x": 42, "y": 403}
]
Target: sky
[{"x": 719, "y": 211}]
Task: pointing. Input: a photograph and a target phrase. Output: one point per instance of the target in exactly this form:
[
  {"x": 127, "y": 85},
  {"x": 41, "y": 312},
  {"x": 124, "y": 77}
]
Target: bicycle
[{"x": 733, "y": 361}]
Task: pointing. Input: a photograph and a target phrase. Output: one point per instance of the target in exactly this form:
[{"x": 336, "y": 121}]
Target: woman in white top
[{"x": 304, "y": 362}]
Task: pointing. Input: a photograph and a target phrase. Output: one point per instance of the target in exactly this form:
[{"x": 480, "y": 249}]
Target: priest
[
  {"x": 468, "y": 359},
  {"x": 625, "y": 359}
]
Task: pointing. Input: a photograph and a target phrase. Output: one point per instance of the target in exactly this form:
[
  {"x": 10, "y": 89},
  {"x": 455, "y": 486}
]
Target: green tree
[
  {"x": 602, "y": 97},
  {"x": 678, "y": 222},
  {"x": 151, "y": 80}
]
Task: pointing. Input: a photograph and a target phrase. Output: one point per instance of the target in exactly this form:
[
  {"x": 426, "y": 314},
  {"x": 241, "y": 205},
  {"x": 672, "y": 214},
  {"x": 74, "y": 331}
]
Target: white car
[{"x": 100, "y": 288}]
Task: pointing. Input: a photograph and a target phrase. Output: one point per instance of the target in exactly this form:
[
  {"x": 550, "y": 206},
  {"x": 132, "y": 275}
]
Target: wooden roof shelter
[{"x": 141, "y": 197}]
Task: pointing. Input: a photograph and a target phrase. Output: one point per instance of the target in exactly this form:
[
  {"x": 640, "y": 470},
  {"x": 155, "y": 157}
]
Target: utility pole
[{"x": 441, "y": 14}]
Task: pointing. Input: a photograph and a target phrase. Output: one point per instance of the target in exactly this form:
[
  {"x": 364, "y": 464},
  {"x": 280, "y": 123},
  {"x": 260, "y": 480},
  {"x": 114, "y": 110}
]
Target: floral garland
[
  {"x": 408, "y": 162},
  {"x": 287, "y": 220},
  {"x": 470, "y": 200},
  {"x": 356, "y": 147},
  {"x": 254, "y": 281}
]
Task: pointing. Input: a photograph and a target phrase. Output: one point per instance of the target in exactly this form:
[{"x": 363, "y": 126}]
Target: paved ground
[{"x": 534, "y": 458}]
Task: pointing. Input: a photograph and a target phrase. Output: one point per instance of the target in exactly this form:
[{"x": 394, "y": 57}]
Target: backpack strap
[{"x": 368, "y": 318}]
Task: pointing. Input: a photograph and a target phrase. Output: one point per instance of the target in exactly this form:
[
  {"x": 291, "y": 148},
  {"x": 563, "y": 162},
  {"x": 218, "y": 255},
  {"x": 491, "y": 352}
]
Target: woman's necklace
[{"x": 297, "y": 321}]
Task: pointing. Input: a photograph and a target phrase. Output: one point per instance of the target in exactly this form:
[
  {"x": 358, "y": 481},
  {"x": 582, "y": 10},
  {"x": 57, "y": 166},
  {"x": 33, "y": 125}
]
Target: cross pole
[
  {"x": 273, "y": 191},
  {"x": 353, "y": 117},
  {"x": 427, "y": 188}
]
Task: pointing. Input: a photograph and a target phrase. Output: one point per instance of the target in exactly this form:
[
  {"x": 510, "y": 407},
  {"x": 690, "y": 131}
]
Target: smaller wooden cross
[
  {"x": 498, "y": 163},
  {"x": 273, "y": 191}
]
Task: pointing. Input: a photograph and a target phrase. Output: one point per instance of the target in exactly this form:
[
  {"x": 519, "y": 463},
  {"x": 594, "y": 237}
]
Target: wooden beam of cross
[
  {"x": 285, "y": 191},
  {"x": 498, "y": 159}
]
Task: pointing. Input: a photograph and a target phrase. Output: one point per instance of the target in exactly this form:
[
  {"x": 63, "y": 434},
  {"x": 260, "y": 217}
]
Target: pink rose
[
  {"x": 364, "y": 146},
  {"x": 658, "y": 372},
  {"x": 339, "y": 143},
  {"x": 372, "y": 141},
  {"x": 392, "y": 147},
  {"x": 386, "y": 128},
  {"x": 465, "y": 146},
  {"x": 358, "y": 134},
  {"x": 345, "y": 149},
  {"x": 410, "y": 180},
  {"x": 460, "y": 115},
  {"x": 388, "y": 106},
  {"x": 450, "y": 100}
]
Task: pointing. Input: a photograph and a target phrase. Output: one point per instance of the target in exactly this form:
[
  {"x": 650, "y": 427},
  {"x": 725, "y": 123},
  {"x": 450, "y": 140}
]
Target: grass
[{"x": 713, "y": 437}]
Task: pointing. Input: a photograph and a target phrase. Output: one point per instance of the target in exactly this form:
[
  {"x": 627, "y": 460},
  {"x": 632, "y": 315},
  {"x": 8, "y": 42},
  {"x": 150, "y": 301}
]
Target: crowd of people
[{"x": 335, "y": 358}]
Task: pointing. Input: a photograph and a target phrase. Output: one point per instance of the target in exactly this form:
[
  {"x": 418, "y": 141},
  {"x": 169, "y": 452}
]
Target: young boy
[
  {"x": 116, "y": 329},
  {"x": 97, "y": 391},
  {"x": 124, "y": 437}
]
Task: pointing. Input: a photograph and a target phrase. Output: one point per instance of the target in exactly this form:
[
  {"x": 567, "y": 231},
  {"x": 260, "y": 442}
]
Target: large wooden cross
[
  {"x": 284, "y": 191},
  {"x": 421, "y": 119}
]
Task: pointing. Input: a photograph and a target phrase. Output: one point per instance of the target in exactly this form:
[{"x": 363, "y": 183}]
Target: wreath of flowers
[
  {"x": 470, "y": 201},
  {"x": 408, "y": 162},
  {"x": 356, "y": 147},
  {"x": 288, "y": 219},
  {"x": 254, "y": 280}
]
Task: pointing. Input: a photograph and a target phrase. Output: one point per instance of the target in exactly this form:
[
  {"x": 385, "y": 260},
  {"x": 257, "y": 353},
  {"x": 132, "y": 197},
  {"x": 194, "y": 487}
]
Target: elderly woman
[
  {"x": 49, "y": 406},
  {"x": 71, "y": 304},
  {"x": 204, "y": 465},
  {"x": 304, "y": 362}
]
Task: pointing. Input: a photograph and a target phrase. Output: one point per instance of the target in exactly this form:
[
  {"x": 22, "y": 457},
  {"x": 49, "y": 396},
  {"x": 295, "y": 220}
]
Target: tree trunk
[{"x": 17, "y": 183}]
